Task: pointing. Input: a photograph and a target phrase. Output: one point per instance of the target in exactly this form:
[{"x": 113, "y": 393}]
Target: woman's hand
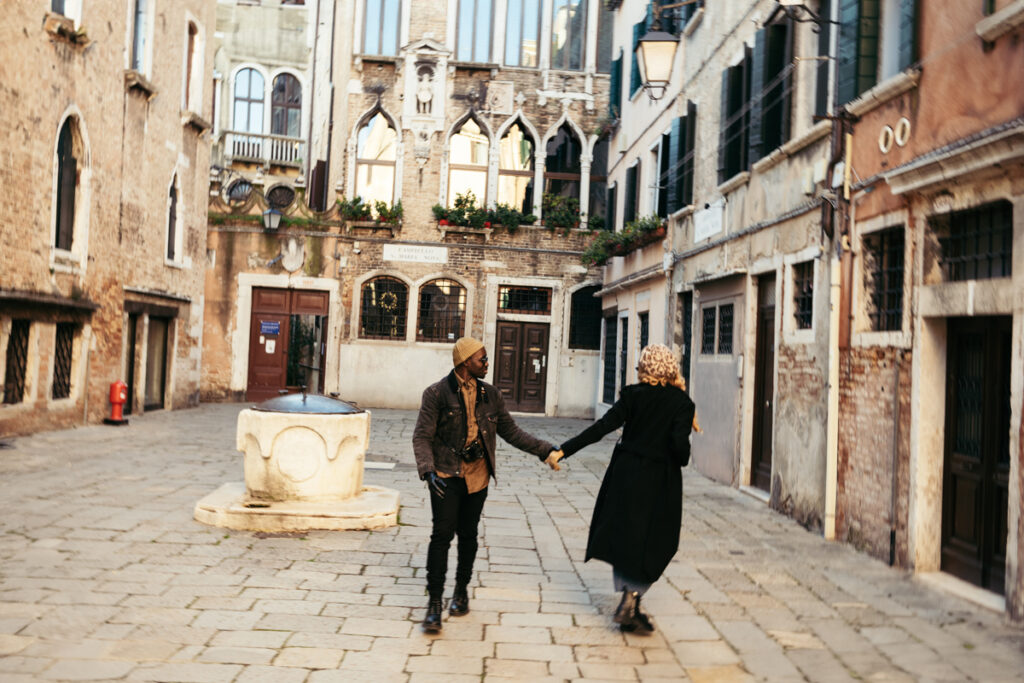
[{"x": 553, "y": 458}]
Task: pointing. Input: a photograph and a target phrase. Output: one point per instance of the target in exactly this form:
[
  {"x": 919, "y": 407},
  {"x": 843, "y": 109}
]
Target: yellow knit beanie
[{"x": 464, "y": 348}]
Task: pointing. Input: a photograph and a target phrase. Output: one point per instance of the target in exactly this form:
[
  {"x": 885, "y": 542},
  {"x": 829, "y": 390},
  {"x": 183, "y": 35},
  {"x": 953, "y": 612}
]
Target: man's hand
[
  {"x": 436, "y": 484},
  {"x": 553, "y": 458}
]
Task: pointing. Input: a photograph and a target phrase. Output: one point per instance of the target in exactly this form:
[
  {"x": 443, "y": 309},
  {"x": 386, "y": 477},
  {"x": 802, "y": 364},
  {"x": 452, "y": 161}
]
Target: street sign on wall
[
  {"x": 708, "y": 222},
  {"x": 415, "y": 253}
]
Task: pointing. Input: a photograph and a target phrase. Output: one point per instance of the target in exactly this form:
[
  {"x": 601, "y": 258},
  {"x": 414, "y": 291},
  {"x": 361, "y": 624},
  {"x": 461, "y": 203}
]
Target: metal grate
[
  {"x": 725, "y": 329},
  {"x": 623, "y": 352},
  {"x": 585, "y": 319},
  {"x": 883, "y": 278},
  {"x": 803, "y": 294},
  {"x": 608, "y": 385},
  {"x": 977, "y": 243},
  {"x": 384, "y": 309},
  {"x": 17, "y": 358},
  {"x": 707, "y": 331},
  {"x": 645, "y": 327},
  {"x": 442, "y": 315},
  {"x": 532, "y": 300},
  {"x": 62, "y": 360}
]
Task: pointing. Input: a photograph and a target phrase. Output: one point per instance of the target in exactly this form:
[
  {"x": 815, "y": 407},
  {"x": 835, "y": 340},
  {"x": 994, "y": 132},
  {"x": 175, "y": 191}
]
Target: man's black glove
[{"x": 436, "y": 484}]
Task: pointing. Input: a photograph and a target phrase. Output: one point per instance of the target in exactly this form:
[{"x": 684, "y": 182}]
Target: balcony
[{"x": 268, "y": 150}]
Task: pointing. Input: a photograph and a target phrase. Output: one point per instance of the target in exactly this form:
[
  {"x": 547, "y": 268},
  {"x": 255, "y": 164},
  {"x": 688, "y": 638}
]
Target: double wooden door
[
  {"x": 287, "y": 341},
  {"x": 976, "y": 470},
  {"x": 520, "y": 369}
]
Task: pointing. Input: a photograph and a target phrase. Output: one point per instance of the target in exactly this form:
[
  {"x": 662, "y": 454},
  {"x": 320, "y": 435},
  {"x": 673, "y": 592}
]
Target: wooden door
[
  {"x": 977, "y": 451},
  {"x": 268, "y": 343},
  {"x": 764, "y": 385},
  {"x": 520, "y": 369}
]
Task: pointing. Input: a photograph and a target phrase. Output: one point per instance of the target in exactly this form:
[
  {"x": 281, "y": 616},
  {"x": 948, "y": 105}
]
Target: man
[{"x": 454, "y": 442}]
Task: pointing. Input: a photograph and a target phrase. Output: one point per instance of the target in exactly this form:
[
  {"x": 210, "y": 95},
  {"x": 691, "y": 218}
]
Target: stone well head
[{"x": 303, "y": 447}]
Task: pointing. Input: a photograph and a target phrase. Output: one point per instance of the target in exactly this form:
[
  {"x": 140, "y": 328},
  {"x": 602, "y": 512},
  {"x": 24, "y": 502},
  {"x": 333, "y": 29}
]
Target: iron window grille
[
  {"x": 707, "y": 330},
  {"x": 585, "y": 319},
  {"x": 803, "y": 294},
  {"x": 384, "y": 309},
  {"x": 442, "y": 314},
  {"x": 17, "y": 358},
  {"x": 883, "y": 278},
  {"x": 608, "y": 384},
  {"x": 725, "y": 329},
  {"x": 977, "y": 243},
  {"x": 645, "y": 327},
  {"x": 529, "y": 300},
  {"x": 623, "y": 351},
  {"x": 62, "y": 360}
]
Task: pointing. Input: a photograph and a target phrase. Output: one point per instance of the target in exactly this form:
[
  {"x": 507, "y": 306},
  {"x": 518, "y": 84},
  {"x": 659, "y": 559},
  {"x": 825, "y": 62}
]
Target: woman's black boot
[
  {"x": 640, "y": 620},
  {"x": 624, "y": 613},
  {"x": 432, "y": 622}
]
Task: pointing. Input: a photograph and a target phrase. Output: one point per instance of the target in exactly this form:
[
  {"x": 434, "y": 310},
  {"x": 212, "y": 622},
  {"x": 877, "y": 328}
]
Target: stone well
[{"x": 303, "y": 462}]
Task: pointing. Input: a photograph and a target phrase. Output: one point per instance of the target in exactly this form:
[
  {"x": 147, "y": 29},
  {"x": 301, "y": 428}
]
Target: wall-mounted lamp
[
  {"x": 656, "y": 52},
  {"x": 271, "y": 219}
]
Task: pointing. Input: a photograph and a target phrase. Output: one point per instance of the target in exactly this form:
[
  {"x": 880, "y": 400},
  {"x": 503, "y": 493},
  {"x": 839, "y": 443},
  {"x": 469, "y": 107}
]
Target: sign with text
[
  {"x": 415, "y": 253},
  {"x": 708, "y": 222},
  {"x": 270, "y": 327}
]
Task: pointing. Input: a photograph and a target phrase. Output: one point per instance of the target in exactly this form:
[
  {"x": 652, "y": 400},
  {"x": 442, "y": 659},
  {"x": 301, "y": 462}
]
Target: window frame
[
  {"x": 522, "y": 23},
  {"x": 462, "y": 303},
  {"x": 286, "y": 107},
  {"x": 530, "y": 199},
  {"x": 192, "y": 85},
  {"x": 64, "y": 360},
  {"x": 571, "y": 36},
  {"x": 578, "y": 339},
  {"x": 382, "y": 13},
  {"x": 371, "y": 163},
  {"x": 862, "y": 335},
  {"x": 791, "y": 333},
  {"x": 362, "y": 325},
  {"x": 562, "y": 175},
  {"x": 711, "y": 345},
  {"x": 475, "y": 28},
  {"x": 174, "y": 224},
  {"x": 140, "y": 56},
  {"x": 22, "y": 352},
  {"x": 473, "y": 168}
]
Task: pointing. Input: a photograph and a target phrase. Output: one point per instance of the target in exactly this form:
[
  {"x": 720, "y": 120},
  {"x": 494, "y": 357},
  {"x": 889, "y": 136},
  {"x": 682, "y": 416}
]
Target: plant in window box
[
  {"x": 511, "y": 218},
  {"x": 598, "y": 251},
  {"x": 354, "y": 209},
  {"x": 647, "y": 229},
  {"x": 595, "y": 223},
  {"x": 440, "y": 214},
  {"x": 560, "y": 211},
  {"x": 392, "y": 215}
]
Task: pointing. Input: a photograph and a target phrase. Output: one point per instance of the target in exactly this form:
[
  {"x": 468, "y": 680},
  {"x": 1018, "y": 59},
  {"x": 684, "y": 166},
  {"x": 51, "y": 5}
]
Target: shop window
[
  {"x": 442, "y": 311},
  {"x": 16, "y": 362},
  {"x": 515, "y": 169},
  {"x": 286, "y": 106},
  {"x": 473, "y": 36},
  {"x": 62, "y": 359},
  {"x": 381, "y": 29},
  {"x": 375, "y": 160},
  {"x": 529, "y": 300},
  {"x": 803, "y": 294},
  {"x": 568, "y": 34},
  {"x": 384, "y": 309},
  {"x": 883, "y": 278},
  {"x": 522, "y": 31},
  {"x": 467, "y": 163},
  {"x": 585, "y": 319},
  {"x": 976, "y": 243}
]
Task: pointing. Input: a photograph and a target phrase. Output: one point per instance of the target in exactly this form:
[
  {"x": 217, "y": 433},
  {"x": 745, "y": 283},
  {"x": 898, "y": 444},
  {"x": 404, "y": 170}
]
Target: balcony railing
[{"x": 277, "y": 150}]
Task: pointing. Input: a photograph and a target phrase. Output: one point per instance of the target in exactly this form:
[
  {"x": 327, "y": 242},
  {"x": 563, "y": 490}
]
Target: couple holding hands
[{"x": 635, "y": 526}]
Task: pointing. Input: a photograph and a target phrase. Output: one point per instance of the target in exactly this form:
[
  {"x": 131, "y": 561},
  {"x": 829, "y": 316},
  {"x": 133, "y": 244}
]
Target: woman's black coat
[{"x": 638, "y": 511}]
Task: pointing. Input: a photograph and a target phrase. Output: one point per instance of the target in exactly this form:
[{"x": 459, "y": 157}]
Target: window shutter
[
  {"x": 824, "y": 40},
  {"x": 745, "y": 74},
  {"x": 849, "y": 22},
  {"x": 758, "y": 65},
  {"x": 687, "y": 153},
  {"x": 787, "y": 81},
  {"x": 723, "y": 128},
  {"x": 615, "y": 88},
  {"x": 634, "y": 76},
  {"x": 908, "y": 33},
  {"x": 666, "y": 170},
  {"x": 629, "y": 201},
  {"x": 675, "y": 145},
  {"x": 610, "y": 208}
]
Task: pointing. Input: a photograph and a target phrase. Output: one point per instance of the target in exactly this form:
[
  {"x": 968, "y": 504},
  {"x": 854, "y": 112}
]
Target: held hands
[
  {"x": 436, "y": 484},
  {"x": 553, "y": 458}
]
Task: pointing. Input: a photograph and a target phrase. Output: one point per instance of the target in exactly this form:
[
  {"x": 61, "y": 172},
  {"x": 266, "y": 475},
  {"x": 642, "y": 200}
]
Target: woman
[{"x": 636, "y": 520}]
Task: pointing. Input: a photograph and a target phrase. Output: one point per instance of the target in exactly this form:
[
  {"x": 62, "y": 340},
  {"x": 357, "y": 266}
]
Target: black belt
[{"x": 473, "y": 452}]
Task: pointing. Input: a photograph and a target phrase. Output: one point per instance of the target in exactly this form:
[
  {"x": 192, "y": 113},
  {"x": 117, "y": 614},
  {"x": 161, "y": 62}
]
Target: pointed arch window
[
  {"x": 385, "y": 303},
  {"x": 375, "y": 160},
  {"x": 442, "y": 311},
  {"x": 562, "y": 165},
  {"x": 173, "y": 222},
  {"x": 515, "y": 169},
  {"x": 67, "y": 186},
  {"x": 467, "y": 163},
  {"x": 598, "y": 207},
  {"x": 286, "y": 106}
]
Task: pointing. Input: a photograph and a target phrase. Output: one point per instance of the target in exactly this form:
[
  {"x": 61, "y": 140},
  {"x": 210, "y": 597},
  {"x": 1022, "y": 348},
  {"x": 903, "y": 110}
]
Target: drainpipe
[
  {"x": 832, "y": 433},
  {"x": 895, "y": 456}
]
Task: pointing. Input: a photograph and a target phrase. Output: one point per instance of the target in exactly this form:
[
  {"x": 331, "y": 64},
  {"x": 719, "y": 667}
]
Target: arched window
[
  {"x": 375, "y": 160},
  {"x": 286, "y": 106},
  {"x": 515, "y": 169},
  {"x": 562, "y": 166},
  {"x": 599, "y": 186},
  {"x": 248, "y": 112},
  {"x": 385, "y": 304},
  {"x": 442, "y": 314},
  {"x": 67, "y": 186},
  {"x": 467, "y": 163},
  {"x": 173, "y": 223}
]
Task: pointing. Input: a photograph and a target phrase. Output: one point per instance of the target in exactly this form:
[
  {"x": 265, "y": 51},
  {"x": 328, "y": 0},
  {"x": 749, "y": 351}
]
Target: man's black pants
[{"x": 457, "y": 513}]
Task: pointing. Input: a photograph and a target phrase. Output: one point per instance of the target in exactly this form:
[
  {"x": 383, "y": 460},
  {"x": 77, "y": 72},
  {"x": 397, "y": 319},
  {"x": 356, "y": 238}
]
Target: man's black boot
[
  {"x": 460, "y": 602},
  {"x": 432, "y": 622},
  {"x": 641, "y": 620},
  {"x": 625, "y": 611}
]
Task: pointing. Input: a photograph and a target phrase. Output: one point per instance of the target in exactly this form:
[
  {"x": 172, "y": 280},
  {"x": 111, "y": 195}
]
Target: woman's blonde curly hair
[{"x": 658, "y": 366}]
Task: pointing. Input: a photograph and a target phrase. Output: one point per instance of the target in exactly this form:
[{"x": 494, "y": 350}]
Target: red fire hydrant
[{"x": 118, "y": 397}]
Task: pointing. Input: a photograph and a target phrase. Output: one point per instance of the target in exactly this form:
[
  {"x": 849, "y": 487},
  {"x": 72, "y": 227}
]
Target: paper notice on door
[
  {"x": 270, "y": 345},
  {"x": 263, "y": 340}
]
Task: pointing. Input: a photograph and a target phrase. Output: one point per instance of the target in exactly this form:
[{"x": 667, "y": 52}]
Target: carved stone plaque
[{"x": 499, "y": 97}]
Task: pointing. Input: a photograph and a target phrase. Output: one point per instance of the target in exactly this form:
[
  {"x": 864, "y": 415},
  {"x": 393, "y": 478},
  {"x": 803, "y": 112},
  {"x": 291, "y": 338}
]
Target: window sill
[
  {"x": 694, "y": 22},
  {"x": 385, "y": 59},
  {"x": 893, "y": 338},
  {"x": 475, "y": 66},
  {"x": 788, "y": 149},
  {"x": 885, "y": 91},
  {"x": 178, "y": 265},
  {"x": 64, "y": 261},
  {"x": 63, "y": 28},
  {"x": 133, "y": 80},
  {"x": 373, "y": 226},
  {"x": 1000, "y": 23},
  {"x": 733, "y": 183},
  {"x": 682, "y": 213},
  {"x": 463, "y": 230},
  {"x": 194, "y": 120}
]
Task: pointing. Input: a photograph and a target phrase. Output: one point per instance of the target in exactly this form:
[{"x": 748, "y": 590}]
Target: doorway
[
  {"x": 520, "y": 373},
  {"x": 764, "y": 385},
  {"x": 976, "y": 469},
  {"x": 156, "y": 363},
  {"x": 287, "y": 342}
]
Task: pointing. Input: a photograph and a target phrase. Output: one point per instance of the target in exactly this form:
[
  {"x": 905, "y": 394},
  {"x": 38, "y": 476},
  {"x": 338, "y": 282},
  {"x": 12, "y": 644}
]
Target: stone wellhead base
[{"x": 375, "y": 507}]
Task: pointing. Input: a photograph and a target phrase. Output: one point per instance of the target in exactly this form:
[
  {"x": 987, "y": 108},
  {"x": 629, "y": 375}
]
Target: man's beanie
[{"x": 464, "y": 348}]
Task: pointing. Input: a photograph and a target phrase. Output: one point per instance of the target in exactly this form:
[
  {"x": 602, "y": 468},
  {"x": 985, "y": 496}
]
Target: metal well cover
[{"x": 307, "y": 403}]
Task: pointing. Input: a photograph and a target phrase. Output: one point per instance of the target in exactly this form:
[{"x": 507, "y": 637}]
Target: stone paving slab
[{"x": 105, "y": 575}]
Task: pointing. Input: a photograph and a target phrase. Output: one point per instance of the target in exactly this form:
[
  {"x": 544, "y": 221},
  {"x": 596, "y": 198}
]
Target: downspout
[
  {"x": 895, "y": 457},
  {"x": 312, "y": 101}
]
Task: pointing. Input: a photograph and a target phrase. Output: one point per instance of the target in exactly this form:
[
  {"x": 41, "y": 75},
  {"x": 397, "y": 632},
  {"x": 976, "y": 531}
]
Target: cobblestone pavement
[{"x": 105, "y": 575}]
